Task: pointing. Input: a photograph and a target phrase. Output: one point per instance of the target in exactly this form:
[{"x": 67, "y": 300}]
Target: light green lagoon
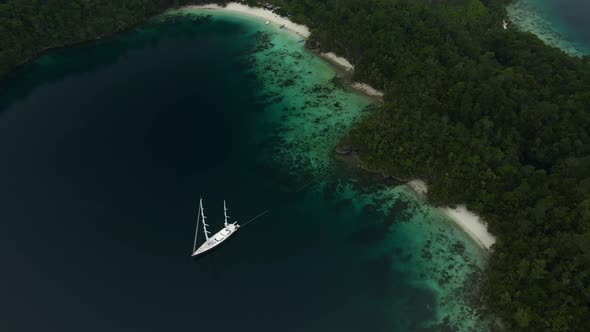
[{"x": 308, "y": 114}]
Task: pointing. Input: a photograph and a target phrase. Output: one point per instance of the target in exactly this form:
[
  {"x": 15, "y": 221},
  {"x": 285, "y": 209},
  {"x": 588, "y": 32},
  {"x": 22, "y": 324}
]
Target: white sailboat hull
[{"x": 217, "y": 239}]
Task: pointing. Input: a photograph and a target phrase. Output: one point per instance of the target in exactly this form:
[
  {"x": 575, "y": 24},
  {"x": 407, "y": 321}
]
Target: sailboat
[{"x": 215, "y": 240}]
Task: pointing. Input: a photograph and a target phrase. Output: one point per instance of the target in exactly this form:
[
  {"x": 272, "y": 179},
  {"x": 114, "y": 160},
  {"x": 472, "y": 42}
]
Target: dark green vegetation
[
  {"x": 489, "y": 117},
  {"x": 30, "y": 27}
]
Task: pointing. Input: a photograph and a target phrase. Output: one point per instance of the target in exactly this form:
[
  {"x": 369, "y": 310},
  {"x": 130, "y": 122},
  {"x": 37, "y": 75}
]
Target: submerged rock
[{"x": 343, "y": 149}]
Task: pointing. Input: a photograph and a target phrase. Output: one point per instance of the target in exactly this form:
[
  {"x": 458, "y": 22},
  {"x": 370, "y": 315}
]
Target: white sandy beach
[
  {"x": 299, "y": 29},
  {"x": 338, "y": 60},
  {"x": 342, "y": 62},
  {"x": 419, "y": 187},
  {"x": 367, "y": 89},
  {"x": 262, "y": 13},
  {"x": 471, "y": 223}
]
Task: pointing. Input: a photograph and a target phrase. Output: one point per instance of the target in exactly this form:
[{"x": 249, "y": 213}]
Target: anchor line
[
  {"x": 313, "y": 180},
  {"x": 258, "y": 216},
  {"x": 298, "y": 190},
  {"x": 266, "y": 211}
]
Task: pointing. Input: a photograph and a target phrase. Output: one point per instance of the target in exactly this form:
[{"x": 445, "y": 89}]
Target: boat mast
[
  {"x": 197, "y": 229},
  {"x": 225, "y": 213},
  {"x": 203, "y": 218}
]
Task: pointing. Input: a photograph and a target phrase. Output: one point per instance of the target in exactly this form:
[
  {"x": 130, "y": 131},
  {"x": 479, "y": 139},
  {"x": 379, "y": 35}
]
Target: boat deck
[{"x": 217, "y": 238}]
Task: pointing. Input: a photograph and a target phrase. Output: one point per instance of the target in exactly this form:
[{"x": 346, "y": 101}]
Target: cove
[
  {"x": 560, "y": 23},
  {"x": 108, "y": 146}
]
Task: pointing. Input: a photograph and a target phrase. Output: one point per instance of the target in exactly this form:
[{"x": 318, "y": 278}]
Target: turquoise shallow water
[
  {"x": 560, "y": 23},
  {"x": 112, "y": 144}
]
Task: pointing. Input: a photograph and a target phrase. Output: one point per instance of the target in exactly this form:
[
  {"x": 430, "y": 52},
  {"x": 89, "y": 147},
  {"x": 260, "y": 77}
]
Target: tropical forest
[{"x": 487, "y": 116}]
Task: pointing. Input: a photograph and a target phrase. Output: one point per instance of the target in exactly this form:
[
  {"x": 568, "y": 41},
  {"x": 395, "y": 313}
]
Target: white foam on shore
[
  {"x": 469, "y": 222},
  {"x": 299, "y": 29}
]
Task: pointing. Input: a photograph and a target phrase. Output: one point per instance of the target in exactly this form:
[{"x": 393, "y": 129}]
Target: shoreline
[
  {"x": 337, "y": 60},
  {"x": 296, "y": 28},
  {"x": 472, "y": 224},
  {"x": 349, "y": 67},
  {"x": 258, "y": 12},
  {"x": 528, "y": 17},
  {"x": 469, "y": 222}
]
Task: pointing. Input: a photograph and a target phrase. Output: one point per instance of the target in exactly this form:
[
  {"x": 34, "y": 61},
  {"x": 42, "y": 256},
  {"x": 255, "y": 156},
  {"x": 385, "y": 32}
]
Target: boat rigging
[{"x": 219, "y": 237}]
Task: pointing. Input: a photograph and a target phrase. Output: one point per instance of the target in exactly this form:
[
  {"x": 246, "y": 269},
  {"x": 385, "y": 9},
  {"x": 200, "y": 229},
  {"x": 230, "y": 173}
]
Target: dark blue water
[
  {"x": 100, "y": 174},
  {"x": 560, "y": 23},
  {"x": 574, "y": 16},
  {"x": 106, "y": 149}
]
